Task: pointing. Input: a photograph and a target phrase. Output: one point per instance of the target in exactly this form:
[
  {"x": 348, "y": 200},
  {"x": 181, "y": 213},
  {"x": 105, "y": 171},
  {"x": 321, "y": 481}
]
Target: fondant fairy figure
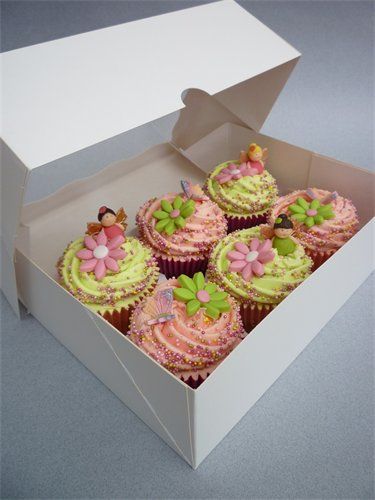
[
  {"x": 255, "y": 157},
  {"x": 281, "y": 234},
  {"x": 113, "y": 223},
  {"x": 283, "y": 240}
]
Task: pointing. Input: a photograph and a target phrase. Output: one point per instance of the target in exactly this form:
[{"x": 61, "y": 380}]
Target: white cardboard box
[{"x": 122, "y": 77}]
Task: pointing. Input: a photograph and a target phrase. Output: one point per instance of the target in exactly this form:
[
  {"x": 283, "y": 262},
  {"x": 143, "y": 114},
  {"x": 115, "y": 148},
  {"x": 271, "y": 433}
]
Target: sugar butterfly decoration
[
  {"x": 159, "y": 307},
  {"x": 193, "y": 191}
]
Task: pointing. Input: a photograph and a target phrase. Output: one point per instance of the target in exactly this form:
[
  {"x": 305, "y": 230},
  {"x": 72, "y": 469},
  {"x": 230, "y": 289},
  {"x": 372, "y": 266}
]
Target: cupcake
[
  {"x": 107, "y": 272},
  {"x": 259, "y": 267},
  {"x": 188, "y": 326},
  {"x": 181, "y": 230},
  {"x": 324, "y": 221},
  {"x": 243, "y": 189}
]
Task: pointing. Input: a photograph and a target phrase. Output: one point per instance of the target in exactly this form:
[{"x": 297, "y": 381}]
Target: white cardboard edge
[
  {"x": 245, "y": 375},
  {"x": 150, "y": 391}
]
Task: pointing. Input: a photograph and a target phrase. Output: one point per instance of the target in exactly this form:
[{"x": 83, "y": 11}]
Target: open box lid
[{"x": 62, "y": 96}]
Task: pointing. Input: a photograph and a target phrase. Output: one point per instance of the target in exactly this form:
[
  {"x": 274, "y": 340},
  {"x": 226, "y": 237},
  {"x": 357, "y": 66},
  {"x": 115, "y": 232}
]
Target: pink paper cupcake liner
[
  {"x": 245, "y": 222},
  {"x": 252, "y": 314},
  {"x": 173, "y": 268}
]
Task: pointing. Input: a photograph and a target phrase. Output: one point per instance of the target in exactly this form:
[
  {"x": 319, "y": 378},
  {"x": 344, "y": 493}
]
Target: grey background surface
[{"x": 64, "y": 435}]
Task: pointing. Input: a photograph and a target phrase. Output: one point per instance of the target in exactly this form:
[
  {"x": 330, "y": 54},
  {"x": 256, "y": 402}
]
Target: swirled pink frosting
[
  {"x": 203, "y": 229},
  {"x": 187, "y": 346},
  {"x": 333, "y": 233}
]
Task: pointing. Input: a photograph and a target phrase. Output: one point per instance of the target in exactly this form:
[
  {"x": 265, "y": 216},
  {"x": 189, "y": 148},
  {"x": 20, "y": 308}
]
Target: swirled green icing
[
  {"x": 247, "y": 195},
  {"x": 281, "y": 276},
  {"x": 137, "y": 276}
]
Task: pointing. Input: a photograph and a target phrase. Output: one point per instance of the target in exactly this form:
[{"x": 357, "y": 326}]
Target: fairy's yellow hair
[{"x": 254, "y": 148}]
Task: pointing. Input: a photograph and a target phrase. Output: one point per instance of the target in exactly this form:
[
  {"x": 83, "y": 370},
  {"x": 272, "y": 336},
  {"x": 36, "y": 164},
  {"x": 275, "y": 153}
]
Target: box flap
[{"x": 68, "y": 94}]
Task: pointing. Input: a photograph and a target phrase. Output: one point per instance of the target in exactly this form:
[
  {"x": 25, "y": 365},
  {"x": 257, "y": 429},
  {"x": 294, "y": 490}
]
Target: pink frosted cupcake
[
  {"x": 188, "y": 326},
  {"x": 243, "y": 189},
  {"x": 324, "y": 221},
  {"x": 181, "y": 230}
]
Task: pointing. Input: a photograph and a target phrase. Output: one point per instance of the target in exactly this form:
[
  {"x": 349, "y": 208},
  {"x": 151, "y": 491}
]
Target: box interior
[{"x": 159, "y": 170}]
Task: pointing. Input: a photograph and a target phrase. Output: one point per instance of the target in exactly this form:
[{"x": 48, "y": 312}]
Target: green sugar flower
[
  {"x": 198, "y": 294},
  {"x": 173, "y": 216},
  {"x": 311, "y": 213}
]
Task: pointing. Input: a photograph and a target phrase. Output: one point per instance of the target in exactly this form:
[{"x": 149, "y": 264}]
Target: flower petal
[
  {"x": 247, "y": 272},
  {"x": 241, "y": 247},
  {"x": 192, "y": 307},
  {"x": 166, "y": 206},
  {"x": 318, "y": 219},
  {"x": 117, "y": 253},
  {"x": 102, "y": 239},
  {"x": 187, "y": 211},
  {"x": 180, "y": 222},
  {"x": 315, "y": 204},
  {"x": 254, "y": 244},
  {"x": 296, "y": 209},
  {"x": 187, "y": 282},
  {"x": 183, "y": 294},
  {"x": 198, "y": 279},
  {"x": 115, "y": 242},
  {"x": 159, "y": 226},
  {"x": 257, "y": 268},
  {"x": 177, "y": 202},
  {"x": 170, "y": 228},
  {"x": 265, "y": 246},
  {"x": 85, "y": 254},
  {"x": 303, "y": 203},
  {"x": 219, "y": 296},
  {"x": 88, "y": 265},
  {"x": 100, "y": 269},
  {"x": 222, "y": 179},
  {"x": 211, "y": 311},
  {"x": 210, "y": 288},
  {"x": 309, "y": 222},
  {"x": 299, "y": 217},
  {"x": 160, "y": 214},
  {"x": 90, "y": 243},
  {"x": 111, "y": 264},
  {"x": 222, "y": 305},
  {"x": 237, "y": 265},
  {"x": 233, "y": 255},
  {"x": 265, "y": 257}
]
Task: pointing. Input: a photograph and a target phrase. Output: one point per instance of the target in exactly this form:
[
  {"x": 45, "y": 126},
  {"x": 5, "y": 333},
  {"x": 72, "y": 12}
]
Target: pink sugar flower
[
  {"x": 234, "y": 172},
  {"x": 249, "y": 261},
  {"x": 101, "y": 254}
]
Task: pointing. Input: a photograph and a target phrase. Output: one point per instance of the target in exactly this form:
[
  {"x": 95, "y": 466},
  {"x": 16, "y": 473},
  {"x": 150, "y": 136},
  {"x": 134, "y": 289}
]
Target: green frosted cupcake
[
  {"x": 110, "y": 276},
  {"x": 243, "y": 189},
  {"x": 249, "y": 267}
]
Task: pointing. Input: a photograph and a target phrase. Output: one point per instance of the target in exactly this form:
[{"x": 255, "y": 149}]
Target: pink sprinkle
[
  {"x": 203, "y": 296},
  {"x": 311, "y": 212}
]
